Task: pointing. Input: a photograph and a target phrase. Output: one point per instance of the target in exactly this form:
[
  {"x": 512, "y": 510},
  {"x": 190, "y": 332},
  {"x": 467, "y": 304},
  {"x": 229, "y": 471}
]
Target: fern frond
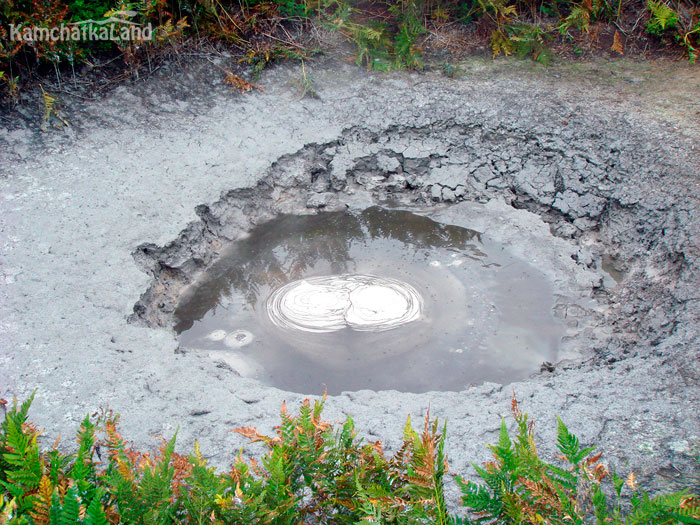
[
  {"x": 42, "y": 502},
  {"x": 94, "y": 514},
  {"x": 569, "y": 445},
  {"x": 70, "y": 510},
  {"x": 501, "y": 43}
]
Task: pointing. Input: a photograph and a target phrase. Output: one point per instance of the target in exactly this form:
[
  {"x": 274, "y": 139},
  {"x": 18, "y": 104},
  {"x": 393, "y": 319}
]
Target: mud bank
[{"x": 103, "y": 227}]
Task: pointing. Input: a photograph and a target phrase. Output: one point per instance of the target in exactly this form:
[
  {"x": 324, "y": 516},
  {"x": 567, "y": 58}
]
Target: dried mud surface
[{"x": 103, "y": 225}]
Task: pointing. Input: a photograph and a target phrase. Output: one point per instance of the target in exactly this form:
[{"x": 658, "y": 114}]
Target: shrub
[
  {"x": 519, "y": 487},
  {"x": 681, "y": 24},
  {"x": 311, "y": 473},
  {"x": 388, "y": 34}
]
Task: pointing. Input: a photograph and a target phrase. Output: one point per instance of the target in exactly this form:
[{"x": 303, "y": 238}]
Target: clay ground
[{"x": 77, "y": 203}]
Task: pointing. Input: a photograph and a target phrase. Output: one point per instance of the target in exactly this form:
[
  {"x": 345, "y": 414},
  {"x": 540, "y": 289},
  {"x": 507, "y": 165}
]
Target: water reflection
[
  {"x": 285, "y": 249},
  {"x": 486, "y": 315}
]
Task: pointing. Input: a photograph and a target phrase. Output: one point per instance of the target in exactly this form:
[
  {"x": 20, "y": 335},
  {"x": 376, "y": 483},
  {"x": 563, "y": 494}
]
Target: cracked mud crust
[{"x": 104, "y": 224}]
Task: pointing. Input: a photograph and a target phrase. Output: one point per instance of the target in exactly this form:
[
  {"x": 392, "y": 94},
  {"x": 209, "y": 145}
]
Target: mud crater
[{"x": 605, "y": 248}]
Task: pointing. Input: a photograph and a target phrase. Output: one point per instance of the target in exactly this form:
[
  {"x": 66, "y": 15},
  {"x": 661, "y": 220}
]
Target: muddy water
[{"x": 484, "y": 315}]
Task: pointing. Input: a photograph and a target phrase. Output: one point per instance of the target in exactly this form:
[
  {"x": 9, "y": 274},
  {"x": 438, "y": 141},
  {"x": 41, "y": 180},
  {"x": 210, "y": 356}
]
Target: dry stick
[
  {"x": 284, "y": 41},
  {"x": 71, "y": 94},
  {"x": 621, "y": 30},
  {"x": 58, "y": 76},
  {"x": 97, "y": 65},
  {"x": 636, "y": 23},
  {"x": 619, "y": 13},
  {"x": 217, "y": 65},
  {"x": 291, "y": 39}
]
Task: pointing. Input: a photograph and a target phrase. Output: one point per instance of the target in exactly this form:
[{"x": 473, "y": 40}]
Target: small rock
[
  {"x": 249, "y": 398},
  {"x": 416, "y": 166},
  {"x": 369, "y": 180},
  {"x": 448, "y": 195},
  {"x": 388, "y": 164},
  {"x": 460, "y": 191},
  {"x": 679, "y": 447},
  {"x": 396, "y": 183},
  {"x": 498, "y": 183},
  {"x": 483, "y": 174},
  {"x": 321, "y": 184},
  {"x": 546, "y": 366},
  {"x": 585, "y": 224},
  {"x": 321, "y": 200},
  {"x": 415, "y": 182},
  {"x": 451, "y": 176}
]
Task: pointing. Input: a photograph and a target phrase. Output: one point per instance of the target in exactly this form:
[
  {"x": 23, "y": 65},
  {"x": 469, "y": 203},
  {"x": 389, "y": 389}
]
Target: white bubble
[
  {"x": 330, "y": 303},
  {"x": 216, "y": 335},
  {"x": 238, "y": 339},
  {"x": 435, "y": 264}
]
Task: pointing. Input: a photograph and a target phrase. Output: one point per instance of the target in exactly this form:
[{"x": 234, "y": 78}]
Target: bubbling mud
[
  {"x": 329, "y": 303},
  {"x": 380, "y": 299}
]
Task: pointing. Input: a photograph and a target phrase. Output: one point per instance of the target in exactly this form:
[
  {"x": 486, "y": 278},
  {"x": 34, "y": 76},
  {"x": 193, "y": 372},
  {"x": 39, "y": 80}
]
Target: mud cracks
[{"x": 600, "y": 196}]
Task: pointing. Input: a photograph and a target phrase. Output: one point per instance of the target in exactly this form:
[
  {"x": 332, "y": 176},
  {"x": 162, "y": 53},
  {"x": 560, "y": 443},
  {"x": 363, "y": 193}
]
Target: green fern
[
  {"x": 313, "y": 473},
  {"x": 66, "y": 512},
  {"x": 579, "y": 18},
  {"x": 663, "y": 18},
  {"x": 21, "y": 462},
  {"x": 569, "y": 445},
  {"x": 519, "y": 487},
  {"x": 95, "y": 514},
  {"x": 155, "y": 489}
]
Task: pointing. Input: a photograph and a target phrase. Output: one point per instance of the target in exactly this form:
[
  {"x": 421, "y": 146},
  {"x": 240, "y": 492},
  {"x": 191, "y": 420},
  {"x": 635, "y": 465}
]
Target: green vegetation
[
  {"x": 314, "y": 473},
  {"x": 388, "y": 34}
]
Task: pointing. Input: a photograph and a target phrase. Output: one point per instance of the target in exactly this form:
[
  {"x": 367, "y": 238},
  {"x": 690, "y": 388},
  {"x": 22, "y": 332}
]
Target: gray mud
[{"x": 103, "y": 227}]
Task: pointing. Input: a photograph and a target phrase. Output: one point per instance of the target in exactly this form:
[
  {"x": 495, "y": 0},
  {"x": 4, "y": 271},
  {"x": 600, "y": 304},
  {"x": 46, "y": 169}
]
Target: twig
[
  {"x": 636, "y": 23},
  {"x": 71, "y": 94},
  {"x": 621, "y": 30},
  {"x": 284, "y": 41},
  {"x": 102, "y": 64},
  {"x": 217, "y": 65}
]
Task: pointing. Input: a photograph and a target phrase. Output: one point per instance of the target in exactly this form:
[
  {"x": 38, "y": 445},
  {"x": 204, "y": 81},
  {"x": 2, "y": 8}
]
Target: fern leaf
[
  {"x": 617, "y": 43},
  {"x": 94, "y": 514},
  {"x": 569, "y": 445},
  {"x": 70, "y": 512},
  {"x": 500, "y": 43},
  {"x": 42, "y": 502}
]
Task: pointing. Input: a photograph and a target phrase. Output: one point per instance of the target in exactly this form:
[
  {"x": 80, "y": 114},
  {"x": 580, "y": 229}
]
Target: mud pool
[{"x": 475, "y": 312}]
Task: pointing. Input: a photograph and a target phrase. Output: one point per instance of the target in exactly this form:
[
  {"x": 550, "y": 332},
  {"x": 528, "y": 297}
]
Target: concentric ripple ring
[{"x": 361, "y": 302}]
